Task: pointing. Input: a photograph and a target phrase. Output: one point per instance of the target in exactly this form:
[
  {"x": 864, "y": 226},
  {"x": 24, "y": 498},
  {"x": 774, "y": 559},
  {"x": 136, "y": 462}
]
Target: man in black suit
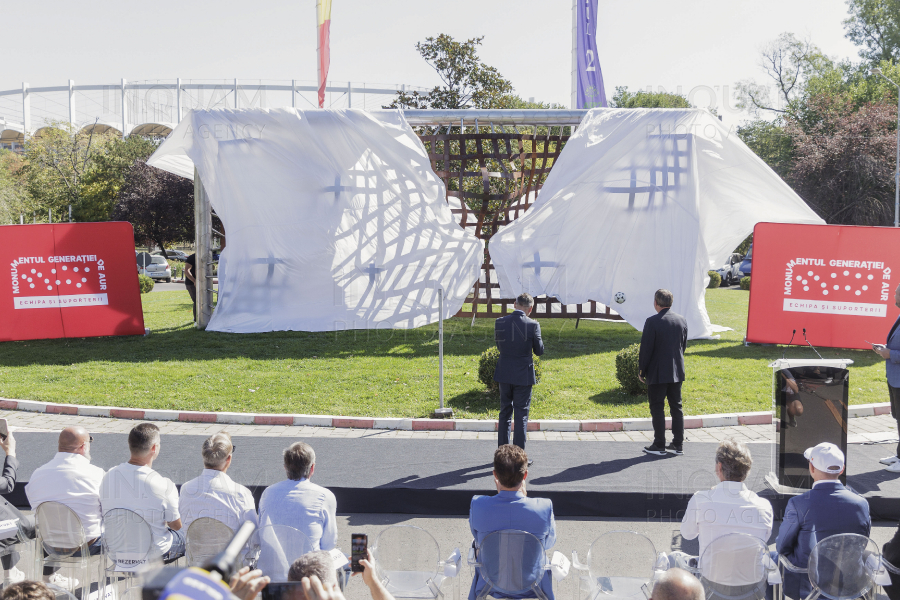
[
  {"x": 661, "y": 366},
  {"x": 517, "y": 337}
]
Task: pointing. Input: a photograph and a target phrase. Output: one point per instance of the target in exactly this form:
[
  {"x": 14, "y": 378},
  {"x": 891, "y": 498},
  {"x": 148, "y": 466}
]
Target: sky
[{"x": 701, "y": 47}]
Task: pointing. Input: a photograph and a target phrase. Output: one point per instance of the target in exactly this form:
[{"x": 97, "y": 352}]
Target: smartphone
[
  {"x": 359, "y": 549},
  {"x": 4, "y": 429},
  {"x": 874, "y": 345}
]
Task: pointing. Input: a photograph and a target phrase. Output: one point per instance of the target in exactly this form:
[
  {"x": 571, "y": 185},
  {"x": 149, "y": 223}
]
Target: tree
[
  {"x": 641, "y": 99},
  {"x": 770, "y": 142},
  {"x": 467, "y": 82},
  {"x": 101, "y": 184},
  {"x": 874, "y": 26},
  {"x": 158, "y": 204},
  {"x": 56, "y": 162},
  {"x": 14, "y": 199}
]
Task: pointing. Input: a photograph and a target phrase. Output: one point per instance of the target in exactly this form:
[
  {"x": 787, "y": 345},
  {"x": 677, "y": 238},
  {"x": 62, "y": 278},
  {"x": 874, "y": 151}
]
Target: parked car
[
  {"x": 157, "y": 269},
  {"x": 173, "y": 254},
  {"x": 727, "y": 271},
  {"x": 743, "y": 269}
]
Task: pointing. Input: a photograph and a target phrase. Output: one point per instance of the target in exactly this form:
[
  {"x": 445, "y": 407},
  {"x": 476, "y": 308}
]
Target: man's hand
[
  {"x": 314, "y": 590},
  {"x": 9, "y": 445},
  {"x": 882, "y": 351},
  {"x": 376, "y": 589},
  {"x": 246, "y": 584},
  {"x": 641, "y": 379}
]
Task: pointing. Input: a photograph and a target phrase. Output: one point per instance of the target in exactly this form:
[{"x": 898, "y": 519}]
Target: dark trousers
[
  {"x": 192, "y": 290},
  {"x": 513, "y": 398},
  {"x": 895, "y": 408},
  {"x": 658, "y": 393}
]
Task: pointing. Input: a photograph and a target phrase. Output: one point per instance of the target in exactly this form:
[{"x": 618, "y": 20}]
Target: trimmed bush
[
  {"x": 487, "y": 364},
  {"x": 715, "y": 280},
  {"x": 745, "y": 283},
  {"x": 627, "y": 370},
  {"x": 146, "y": 283}
]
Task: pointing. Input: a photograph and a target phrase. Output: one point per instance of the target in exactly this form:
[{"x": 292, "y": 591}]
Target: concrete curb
[{"x": 231, "y": 418}]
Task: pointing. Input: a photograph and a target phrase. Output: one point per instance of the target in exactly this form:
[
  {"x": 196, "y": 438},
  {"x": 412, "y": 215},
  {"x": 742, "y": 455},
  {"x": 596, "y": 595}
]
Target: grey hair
[
  {"x": 664, "y": 298},
  {"x": 216, "y": 450},
  {"x": 299, "y": 459},
  {"x": 524, "y": 300},
  {"x": 318, "y": 563},
  {"x": 735, "y": 459}
]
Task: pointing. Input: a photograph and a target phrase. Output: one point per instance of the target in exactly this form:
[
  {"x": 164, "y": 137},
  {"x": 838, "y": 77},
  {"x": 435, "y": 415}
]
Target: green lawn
[{"x": 389, "y": 373}]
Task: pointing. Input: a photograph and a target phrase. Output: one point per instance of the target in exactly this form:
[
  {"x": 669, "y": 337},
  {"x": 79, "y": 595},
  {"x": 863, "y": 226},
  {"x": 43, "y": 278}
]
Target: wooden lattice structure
[{"x": 492, "y": 179}]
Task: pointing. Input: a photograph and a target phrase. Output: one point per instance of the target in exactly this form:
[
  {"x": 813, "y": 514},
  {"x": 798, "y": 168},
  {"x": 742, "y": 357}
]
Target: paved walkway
[{"x": 882, "y": 428}]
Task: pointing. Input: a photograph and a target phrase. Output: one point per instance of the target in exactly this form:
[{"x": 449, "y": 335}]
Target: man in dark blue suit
[
  {"x": 827, "y": 509},
  {"x": 517, "y": 337},
  {"x": 511, "y": 508},
  {"x": 891, "y": 354},
  {"x": 661, "y": 365}
]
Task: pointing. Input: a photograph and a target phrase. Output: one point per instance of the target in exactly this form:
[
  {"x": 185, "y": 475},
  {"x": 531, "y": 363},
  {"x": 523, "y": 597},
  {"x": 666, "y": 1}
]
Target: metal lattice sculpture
[{"x": 491, "y": 180}]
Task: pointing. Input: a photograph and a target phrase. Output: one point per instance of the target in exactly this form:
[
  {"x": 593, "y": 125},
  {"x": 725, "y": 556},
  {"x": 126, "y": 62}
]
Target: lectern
[{"x": 809, "y": 402}]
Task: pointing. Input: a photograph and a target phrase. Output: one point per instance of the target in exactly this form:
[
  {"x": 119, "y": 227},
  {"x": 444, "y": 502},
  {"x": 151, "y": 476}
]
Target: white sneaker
[
  {"x": 68, "y": 583},
  {"x": 894, "y": 468},
  {"x": 889, "y": 460},
  {"x": 15, "y": 576}
]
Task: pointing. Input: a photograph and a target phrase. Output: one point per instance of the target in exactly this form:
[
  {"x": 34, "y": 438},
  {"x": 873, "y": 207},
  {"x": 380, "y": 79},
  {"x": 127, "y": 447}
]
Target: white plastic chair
[
  {"x": 60, "y": 537},
  {"x": 619, "y": 564},
  {"x": 23, "y": 546},
  {"x": 128, "y": 550},
  {"x": 206, "y": 538},
  {"x": 511, "y": 563},
  {"x": 736, "y": 566},
  {"x": 274, "y": 548},
  {"x": 841, "y": 567},
  {"x": 408, "y": 562}
]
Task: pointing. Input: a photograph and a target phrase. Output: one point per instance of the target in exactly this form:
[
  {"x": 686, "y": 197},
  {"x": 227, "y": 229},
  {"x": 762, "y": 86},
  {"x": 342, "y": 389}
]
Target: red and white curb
[{"x": 230, "y": 418}]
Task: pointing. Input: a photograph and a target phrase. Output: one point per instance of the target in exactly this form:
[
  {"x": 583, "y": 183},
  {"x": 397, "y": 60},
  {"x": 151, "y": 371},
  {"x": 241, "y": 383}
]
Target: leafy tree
[
  {"x": 874, "y": 26},
  {"x": 158, "y": 204},
  {"x": 56, "y": 162},
  {"x": 14, "y": 199},
  {"x": 101, "y": 184},
  {"x": 641, "y": 99},
  {"x": 467, "y": 82},
  {"x": 770, "y": 142}
]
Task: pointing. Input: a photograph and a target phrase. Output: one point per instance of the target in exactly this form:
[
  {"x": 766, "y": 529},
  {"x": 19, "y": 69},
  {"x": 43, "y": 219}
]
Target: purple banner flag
[{"x": 589, "y": 79}]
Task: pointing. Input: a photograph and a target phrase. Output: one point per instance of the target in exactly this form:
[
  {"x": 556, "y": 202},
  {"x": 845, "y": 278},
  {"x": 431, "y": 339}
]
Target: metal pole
[
  {"x": 442, "y": 412},
  {"x": 202, "y": 233},
  {"x": 70, "y": 213}
]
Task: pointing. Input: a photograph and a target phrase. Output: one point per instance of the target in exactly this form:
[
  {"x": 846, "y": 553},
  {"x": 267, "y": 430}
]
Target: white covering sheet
[
  {"x": 334, "y": 219},
  {"x": 642, "y": 199}
]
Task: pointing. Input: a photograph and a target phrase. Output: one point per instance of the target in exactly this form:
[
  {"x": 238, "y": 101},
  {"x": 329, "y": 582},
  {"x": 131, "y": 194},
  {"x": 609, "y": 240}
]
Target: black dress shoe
[
  {"x": 673, "y": 449},
  {"x": 653, "y": 449}
]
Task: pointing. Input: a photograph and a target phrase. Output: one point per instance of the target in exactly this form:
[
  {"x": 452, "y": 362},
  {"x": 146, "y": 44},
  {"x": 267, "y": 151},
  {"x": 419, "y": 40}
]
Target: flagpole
[{"x": 574, "y": 103}]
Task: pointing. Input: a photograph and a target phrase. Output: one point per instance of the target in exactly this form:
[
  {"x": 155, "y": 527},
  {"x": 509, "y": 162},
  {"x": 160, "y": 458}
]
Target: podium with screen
[{"x": 810, "y": 404}]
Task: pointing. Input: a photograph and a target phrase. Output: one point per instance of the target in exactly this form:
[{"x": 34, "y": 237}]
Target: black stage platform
[{"x": 439, "y": 477}]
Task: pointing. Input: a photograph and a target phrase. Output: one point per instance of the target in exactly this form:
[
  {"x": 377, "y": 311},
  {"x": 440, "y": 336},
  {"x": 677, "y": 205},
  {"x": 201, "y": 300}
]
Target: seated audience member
[
  {"x": 135, "y": 486},
  {"x": 827, "y": 509},
  {"x": 299, "y": 503},
  {"x": 7, "y": 511},
  {"x": 70, "y": 479},
  {"x": 318, "y": 563},
  {"x": 27, "y": 590},
  {"x": 891, "y": 553},
  {"x": 677, "y": 584},
  {"x": 214, "y": 494},
  {"x": 510, "y": 508},
  {"x": 727, "y": 508}
]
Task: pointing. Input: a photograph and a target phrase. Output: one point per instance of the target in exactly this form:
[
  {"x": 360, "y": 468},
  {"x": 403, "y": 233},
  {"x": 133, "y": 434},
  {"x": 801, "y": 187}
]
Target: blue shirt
[{"x": 302, "y": 505}]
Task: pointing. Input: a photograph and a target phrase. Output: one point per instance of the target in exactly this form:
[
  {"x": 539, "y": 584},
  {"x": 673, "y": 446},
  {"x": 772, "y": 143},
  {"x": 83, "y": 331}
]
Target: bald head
[
  {"x": 74, "y": 439},
  {"x": 677, "y": 584}
]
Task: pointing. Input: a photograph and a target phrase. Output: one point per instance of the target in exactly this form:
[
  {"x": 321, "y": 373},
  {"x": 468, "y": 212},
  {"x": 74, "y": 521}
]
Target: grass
[{"x": 389, "y": 373}]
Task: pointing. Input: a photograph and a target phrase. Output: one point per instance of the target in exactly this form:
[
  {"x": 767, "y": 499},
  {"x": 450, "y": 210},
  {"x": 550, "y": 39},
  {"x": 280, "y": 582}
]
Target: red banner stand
[
  {"x": 836, "y": 281},
  {"x": 69, "y": 280}
]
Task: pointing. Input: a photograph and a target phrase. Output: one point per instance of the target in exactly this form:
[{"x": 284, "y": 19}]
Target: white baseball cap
[{"x": 826, "y": 457}]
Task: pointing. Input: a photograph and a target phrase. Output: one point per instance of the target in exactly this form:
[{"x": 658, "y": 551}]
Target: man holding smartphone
[{"x": 891, "y": 354}]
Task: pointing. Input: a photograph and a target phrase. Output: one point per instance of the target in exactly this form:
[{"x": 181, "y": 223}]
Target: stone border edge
[{"x": 230, "y": 418}]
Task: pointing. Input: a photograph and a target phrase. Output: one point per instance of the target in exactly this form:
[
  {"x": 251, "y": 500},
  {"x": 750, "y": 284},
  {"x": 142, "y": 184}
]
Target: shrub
[
  {"x": 715, "y": 280},
  {"x": 146, "y": 283},
  {"x": 487, "y": 364},
  {"x": 627, "y": 370},
  {"x": 745, "y": 283}
]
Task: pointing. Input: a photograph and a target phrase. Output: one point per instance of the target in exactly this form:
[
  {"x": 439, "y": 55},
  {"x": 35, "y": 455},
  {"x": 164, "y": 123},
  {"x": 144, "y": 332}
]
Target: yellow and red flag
[{"x": 323, "y": 13}]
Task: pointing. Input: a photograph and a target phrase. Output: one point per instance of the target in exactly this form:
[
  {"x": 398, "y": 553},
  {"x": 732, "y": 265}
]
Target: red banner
[
  {"x": 836, "y": 281},
  {"x": 69, "y": 280}
]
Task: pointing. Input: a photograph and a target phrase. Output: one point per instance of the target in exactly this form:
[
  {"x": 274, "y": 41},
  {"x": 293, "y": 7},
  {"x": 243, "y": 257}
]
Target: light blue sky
[{"x": 689, "y": 43}]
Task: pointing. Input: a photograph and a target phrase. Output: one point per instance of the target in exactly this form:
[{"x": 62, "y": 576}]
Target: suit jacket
[
  {"x": 827, "y": 509},
  {"x": 662, "y": 347},
  {"x": 892, "y": 365},
  {"x": 517, "y": 337},
  {"x": 891, "y": 553},
  {"x": 512, "y": 510}
]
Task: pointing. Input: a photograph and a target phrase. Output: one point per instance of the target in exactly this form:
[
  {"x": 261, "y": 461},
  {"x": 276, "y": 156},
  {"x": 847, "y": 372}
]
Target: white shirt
[
  {"x": 146, "y": 492},
  {"x": 727, "y": 508},
  {"x": 302, "y": 505},
  {"x": 215, "y": 495},
  {"x": 72, "y": 480}
]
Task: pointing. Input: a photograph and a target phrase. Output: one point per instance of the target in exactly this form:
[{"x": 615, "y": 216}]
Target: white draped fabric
[
  {"x": 642, "y": 199},
  {"x": 334, "y": 219}
]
